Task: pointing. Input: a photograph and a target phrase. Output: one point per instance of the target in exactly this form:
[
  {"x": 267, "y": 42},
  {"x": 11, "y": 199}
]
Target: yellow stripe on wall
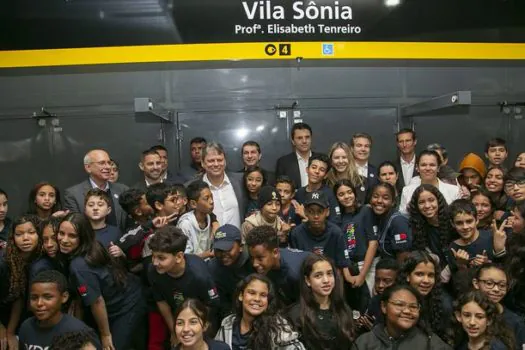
[{"x": 256, "y": 51}]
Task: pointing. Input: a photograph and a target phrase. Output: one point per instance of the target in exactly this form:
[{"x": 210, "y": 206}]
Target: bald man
[{"x": 97, "y": 165}]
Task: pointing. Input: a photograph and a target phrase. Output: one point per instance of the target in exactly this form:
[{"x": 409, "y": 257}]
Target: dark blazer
[
  {"x": 363, "y": 192},
  {"x": 289, "y": 166},
  {"x": 238, "y": 187},
  {"x": 400, "y": 179},
  {"x": 75, "y": 195}
]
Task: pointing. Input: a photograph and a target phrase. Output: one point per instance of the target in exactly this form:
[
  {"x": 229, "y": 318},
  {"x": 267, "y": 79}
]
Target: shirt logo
[
  {"x": 347, "y": 255},
  {"x": 401, "y": 238},
  {"x": 178, "y": 297},
  {"x": 212, "y": 293},
  {"x": 351, "y": 242},
  {"x": 82, "y": 290},
  {"x": 315, "y": 195}
]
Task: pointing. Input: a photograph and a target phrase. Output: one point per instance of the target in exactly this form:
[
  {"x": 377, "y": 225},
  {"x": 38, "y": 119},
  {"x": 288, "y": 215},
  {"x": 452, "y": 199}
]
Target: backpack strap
[{"x": 384, "y": 233}]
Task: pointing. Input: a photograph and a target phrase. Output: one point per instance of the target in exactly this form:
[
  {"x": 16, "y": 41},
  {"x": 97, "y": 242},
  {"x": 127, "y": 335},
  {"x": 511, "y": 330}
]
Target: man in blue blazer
[{"x": 97, "y": 165}]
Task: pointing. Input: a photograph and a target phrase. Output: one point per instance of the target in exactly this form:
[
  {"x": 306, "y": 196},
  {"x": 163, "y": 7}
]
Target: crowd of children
[{"x": 408, "y": 255}]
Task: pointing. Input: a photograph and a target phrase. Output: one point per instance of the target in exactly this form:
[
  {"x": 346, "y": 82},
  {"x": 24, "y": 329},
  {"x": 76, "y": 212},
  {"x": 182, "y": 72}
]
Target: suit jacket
[
  {"x": 289, "y": 166},
  {"x": 363, "y": 192},
  {"x": 236, "y": 180},
  {"x": 75, "y": 195},
  {"x": 400, "y": 179}
]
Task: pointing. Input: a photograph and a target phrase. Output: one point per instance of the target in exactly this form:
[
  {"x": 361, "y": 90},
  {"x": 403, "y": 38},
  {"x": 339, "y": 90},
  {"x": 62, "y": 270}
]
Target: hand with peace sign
[
  {"x": 480, "y": 259},
  {"x": 499, "y": 237},
  {"x": 161, "y": 221}
]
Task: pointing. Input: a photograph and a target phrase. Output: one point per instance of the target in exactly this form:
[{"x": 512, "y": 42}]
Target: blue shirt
[
  {"x": 358, "y": 231},
  {"x": 482, "y": 243},
  {"x": 393, "y": 238},
  {"x": 108, "y": 234},
  {"x": 286, "y": 278}
]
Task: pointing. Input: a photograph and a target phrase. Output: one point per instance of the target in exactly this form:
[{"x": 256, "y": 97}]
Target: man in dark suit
[
  {"x": 251, "y": 157},
  {"x": 406, "y": 162},
  {"x": 229, "y": 197},
  {"x": 166, "y": 176},
  {"x": 98, "y": 167},
  {"x": 361, "y": 145},
  {"x": 294, "y": 164},
  {"x": 151, "y": 165}
]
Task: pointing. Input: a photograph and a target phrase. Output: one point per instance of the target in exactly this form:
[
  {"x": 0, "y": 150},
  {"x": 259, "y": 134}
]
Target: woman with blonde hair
[{"x": 344, "y": 167}]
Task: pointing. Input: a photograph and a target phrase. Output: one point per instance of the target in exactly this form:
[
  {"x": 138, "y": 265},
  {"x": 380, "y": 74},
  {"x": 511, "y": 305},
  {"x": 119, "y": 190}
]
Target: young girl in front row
[
  {"x": 255, "y": 323},
  {"x": 360, "y": 237},
  {"x": 492, "y": 280},
  {"x": 113, "y": 295},
  {"x": 403, "y": 327},
  {"x": 191, "y": 321},
  {"x": 479, "y": 326},
  {"x": 322, "y": 317}
]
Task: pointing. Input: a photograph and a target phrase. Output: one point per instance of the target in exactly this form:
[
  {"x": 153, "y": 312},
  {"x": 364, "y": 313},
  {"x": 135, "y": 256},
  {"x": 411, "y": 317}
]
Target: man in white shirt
[
  {"x": 227, "y": 188},
  {"x": 406, "y": 163}
]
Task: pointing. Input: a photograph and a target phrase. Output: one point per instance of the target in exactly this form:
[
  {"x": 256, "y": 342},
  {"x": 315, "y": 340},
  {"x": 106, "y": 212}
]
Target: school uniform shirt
[
  {"x": 482, "y": 243},
  {"x": 396, "y": 237},
  {"x": 44, "y": 263},
  {"x": 107, "y": 235},
  {"x": 516, "y": 324},
  {"x": 358, "y": 231},
  {"x": 212, "y": 345},
  {"x": 93, "y": 282},
  {"x": 34, "y": 337},
  {"x": 335, "y": 211},
  {"x": 227, "y": 277},
  {"x": 239, "y": 340},
  {"x": 330, "y": 243},
  {"x": 252, "y": 206},
  {"x": 196, "y": 282},
  {"x": 286, "y": 278},
  {"x": 199, "y": 239},
  {"x": 290, "y": 216}
]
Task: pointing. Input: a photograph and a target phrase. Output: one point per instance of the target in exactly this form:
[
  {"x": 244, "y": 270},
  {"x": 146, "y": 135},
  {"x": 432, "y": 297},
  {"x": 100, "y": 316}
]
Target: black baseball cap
[{"x": 316, "y": 197}]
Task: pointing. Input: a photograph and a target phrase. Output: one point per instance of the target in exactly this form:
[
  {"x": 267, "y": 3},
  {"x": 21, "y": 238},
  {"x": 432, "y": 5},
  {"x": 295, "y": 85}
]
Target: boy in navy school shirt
[
  {"x": 175, "y": 276},
  {"x": 318, "y": 167},
  {"x": 230, "y": 264},
  {"x": 97, "y": 206},
  {"x": 47, "y": 295},
  {"x": 473, "y": 247},
  {"x": 281, "y": 265}
]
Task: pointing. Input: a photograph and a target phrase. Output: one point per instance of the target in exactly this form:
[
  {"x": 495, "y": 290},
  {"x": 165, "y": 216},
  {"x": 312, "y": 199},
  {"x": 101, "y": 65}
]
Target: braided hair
[{"x": 420, "y": 225}]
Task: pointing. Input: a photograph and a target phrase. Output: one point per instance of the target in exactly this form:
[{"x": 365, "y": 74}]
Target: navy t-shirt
[
  {"x": 358, "y": 231},
  {"x": 482, "y": 243},
  {"x": 108, "y": 234},
  {"x": 515, "y": 323},
  {"x": 212, "y": 345},
  {"x": 330, "y": 243},
  {"x": 196, "y": 282},
  {"x": 286, "y": 278},
  {"x": 396, "y": 237},
  {"x": 239, "y": 341},
  {"x": 251, "y": 207},
  {"x": 227, "y": 277},
  {"x": 92, "y": 282},
  {"x": 335, "y": 212},
  {"x": 34, "y": 337},
  {"x": 44, "y": 263}
]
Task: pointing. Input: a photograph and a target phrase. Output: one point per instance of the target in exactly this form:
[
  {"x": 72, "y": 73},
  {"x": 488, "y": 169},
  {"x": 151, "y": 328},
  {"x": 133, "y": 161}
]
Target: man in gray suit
[
  {"x": 98, "y": 167},
  {"x": 227, "y": 187}
]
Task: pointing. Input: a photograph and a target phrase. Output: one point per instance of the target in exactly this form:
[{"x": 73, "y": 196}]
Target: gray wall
[{"x": 95, "y": 109}]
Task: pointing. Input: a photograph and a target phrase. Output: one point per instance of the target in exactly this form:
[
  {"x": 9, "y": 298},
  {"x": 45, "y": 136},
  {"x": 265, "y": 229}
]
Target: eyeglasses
[
  {"x": 490, "y": 284},
  {"x": 103, "y": 163},
  {"x": 510, "y": 184},
  {"x": 401, "y": 305}
]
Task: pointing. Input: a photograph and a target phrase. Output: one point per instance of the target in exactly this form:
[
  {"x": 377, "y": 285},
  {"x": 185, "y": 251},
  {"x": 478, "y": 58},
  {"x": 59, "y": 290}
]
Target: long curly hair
[
  {"x": 345, "y": 182},
  {"x": 91, "y": 250},
  {"x": 309, "y": 307},
  {"x": 31, "y": 204},
  {"x": 432, "y": 309},
  {"x": 18, "y": 264},
  {"x": 419, "y": 224},
  {"x": 351, "y": 172},
  {"x": 265, "y": 327},
  {"x": 496, "y": 326}
]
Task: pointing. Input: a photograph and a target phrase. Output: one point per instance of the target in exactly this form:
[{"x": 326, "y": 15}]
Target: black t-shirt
[
  {"x": 325, "y": 324},
  {"x": 92, "y": 282},
  {"x": 239, "y": 341},
  {"x": 358, "y": 230},
  {"x": 335, "y": 211},
  {"x": 227, "y": 277},
  {"x": 108, "y": 234},
  {"x": 482, "y": 243},
  {"x": 330, "y": 243},
  {"x": 286, "y": 278},
  {"x": 435, "y": 246},
  {"x": 34, "y": 337},
  {"x": 196, "y": 282}
]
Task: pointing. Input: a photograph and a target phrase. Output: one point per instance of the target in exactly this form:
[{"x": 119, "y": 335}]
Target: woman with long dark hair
[
  {"x": 322, "y": 316},
  {"x": 23, "y": 247},
  {"x": 112, "y": 294},
  {"x": 422, "y": 272},
  {"x": 44, "y": 201},
  {"x": 403, "y": 327},
  {"x": 256, "y": 323}
]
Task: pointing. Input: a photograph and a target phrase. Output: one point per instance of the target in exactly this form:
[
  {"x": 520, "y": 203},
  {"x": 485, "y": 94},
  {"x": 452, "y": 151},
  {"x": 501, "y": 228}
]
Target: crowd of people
[{"x": 326, "y": 251}]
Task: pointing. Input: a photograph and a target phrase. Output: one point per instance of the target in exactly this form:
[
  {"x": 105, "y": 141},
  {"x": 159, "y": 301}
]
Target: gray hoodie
[
  {"x": 414, "y": 339},
  {"x": 199, "y": 240}
]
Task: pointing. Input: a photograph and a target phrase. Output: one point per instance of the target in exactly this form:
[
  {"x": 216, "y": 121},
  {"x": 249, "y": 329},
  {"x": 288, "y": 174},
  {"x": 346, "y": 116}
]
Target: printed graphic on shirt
[
  {"x": 375, "y": 229},
  {"x": 82, "y": 290},
  {"x": 318, "y": 250},
  {"x": 212, "y": 293},
  {"x": 178, "y": 297},
  {"x": 36, "y": 347},
  {"x": 351, "y": 242},
  {"x": 401, "y": 238}
]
